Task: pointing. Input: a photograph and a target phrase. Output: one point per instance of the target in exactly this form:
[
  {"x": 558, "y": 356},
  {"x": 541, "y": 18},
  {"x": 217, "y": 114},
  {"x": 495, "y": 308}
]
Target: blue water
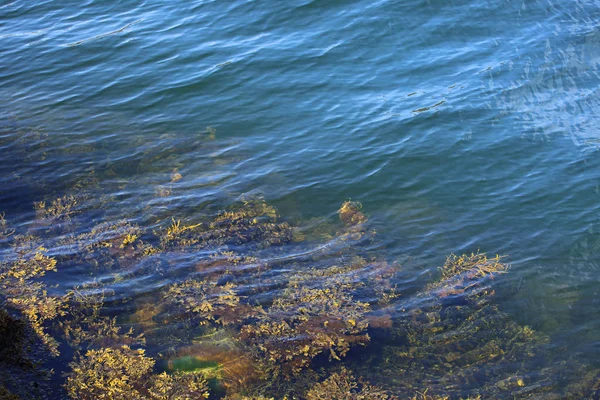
[{"x": 459, "y": 125}]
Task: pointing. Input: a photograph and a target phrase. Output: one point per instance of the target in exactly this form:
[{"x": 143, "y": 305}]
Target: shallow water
[{"x": 460, "y": 127}]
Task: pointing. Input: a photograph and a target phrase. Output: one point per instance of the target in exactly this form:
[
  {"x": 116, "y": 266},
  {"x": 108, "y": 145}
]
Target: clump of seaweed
[
  {"x": 305, "y": 322},
  {"x": 120, "y": 238},
  {"x": 27, "y": 312},
  {"x": 125, "y": 373},
  {"x": 59, "y": 211},
  {"x": 205, "y": 301},
  {"x": 23, "y": 293},
  {"x": 304, "y": 314},
  {"x": 86, "y": 327},
  {"x": 109, "y": 245},
  {"x": 109, "y": 373},
  {"x": 373, "y": 278},
  {"x": 456, "y": 343},
  {"x": 343, "y": 385},
  {"x": 471, "y": 266},
  {"x": 350, "y": 213},
  {"x": 467, "y": 277},
  {"x": 251, "y": 222}
]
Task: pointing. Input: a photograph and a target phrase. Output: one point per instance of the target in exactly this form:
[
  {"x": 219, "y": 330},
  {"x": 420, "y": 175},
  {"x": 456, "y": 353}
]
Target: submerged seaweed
[
  {"x": 240, "y": 303},
  {"x": 125, "y": 374},
  {"x": 343, "y": 385},
  {"x": 304, "y": 323}
]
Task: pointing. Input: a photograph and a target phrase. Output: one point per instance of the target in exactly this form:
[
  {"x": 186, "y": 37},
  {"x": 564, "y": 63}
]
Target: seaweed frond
[{"x": 344, "y": 386}]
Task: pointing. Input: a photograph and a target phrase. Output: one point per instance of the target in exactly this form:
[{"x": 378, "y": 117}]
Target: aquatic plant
[
  {"x": 455, "y": 343},
  {"x": 283, "y": 337},
  {"x": 108, "y": 246},
  {"x": 23, "y": 293},
  {"x": 250, "y": 222},
  {"x": 343, "y": 385},
  {"x": 109, "y": 373},
  {"x": 205, "y": 301},
  {"x": 372, "y": 278},
  {"x": 305, "y": 322},
  {"x": 350, "y": 213},
  {"x": 120, "y": 238},
  {"x": 462, "y": 273},
  {"x": 87, "y": 328},
  {"x": 57, "y": 212},
  {"x": 125, "y": 373}
]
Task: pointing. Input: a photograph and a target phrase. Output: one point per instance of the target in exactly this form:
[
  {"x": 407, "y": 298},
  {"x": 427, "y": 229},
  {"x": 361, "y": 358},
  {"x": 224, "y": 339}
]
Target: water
[{"x": 459, "y": 127}]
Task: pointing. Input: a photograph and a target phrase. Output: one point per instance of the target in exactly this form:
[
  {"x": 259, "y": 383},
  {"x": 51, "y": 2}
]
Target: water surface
[{"x": 460, "y": 127}]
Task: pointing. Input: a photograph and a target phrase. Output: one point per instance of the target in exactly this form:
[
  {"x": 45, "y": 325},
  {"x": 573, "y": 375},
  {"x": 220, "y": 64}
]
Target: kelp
[
  {"x": 350, "y": 213},
  {"x": 27, "y": 311},
  {"x": 107, "y": 246},
  {"x": 86, "y": 327},
  {"x": 56, "y": 213}
]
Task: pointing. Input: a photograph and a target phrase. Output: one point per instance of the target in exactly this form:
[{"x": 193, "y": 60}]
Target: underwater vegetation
[
  {"x": 205, "y": 334},
  {"x": 304, "y": 323},
  {"x": 124, "y": 373},
  {"x": 228, "y": 299},
  {"x": 343, "y": 385},
  {"x": 21, "y": 291}
]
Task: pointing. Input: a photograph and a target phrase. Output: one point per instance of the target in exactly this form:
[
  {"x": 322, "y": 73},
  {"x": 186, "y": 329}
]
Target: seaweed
[
  {"x": 58, "y": 212},
  {"x": 207, "y": 323},
  {"x": 350, "y": 213},
  {"x": 205, "y": 301},
  {"x": 23, "y": 292},
  {"x": 86, "y": 327},
  {"x": 251, "y": 222},
  {"x": 125, "y": 373},
  {"x": 343, "y": 385},
  {"x": 305, "y": 322}
]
